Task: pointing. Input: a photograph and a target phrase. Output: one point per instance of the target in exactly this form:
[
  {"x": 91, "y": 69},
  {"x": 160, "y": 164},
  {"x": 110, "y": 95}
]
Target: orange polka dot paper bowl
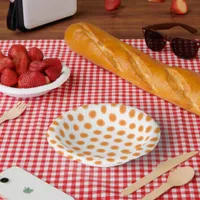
[{"x": 103, "y": 135}]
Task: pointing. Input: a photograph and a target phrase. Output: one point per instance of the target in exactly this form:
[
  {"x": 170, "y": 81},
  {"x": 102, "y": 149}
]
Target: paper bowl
[
  {"x": 103, "y": 135},
  {"x": 36, "y": 91}
]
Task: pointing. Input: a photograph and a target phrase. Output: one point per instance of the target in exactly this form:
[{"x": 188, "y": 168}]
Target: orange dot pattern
[
  {"x": 132, "y": 113},
  {"x": 88, "y": 126},
  {"x": 123, "y": 157},
  {"x": 122, "y": 109},
  {"x": 130, "y": 136},
  {"x": 136, "y": 154},
  {"x": 141, "y": 128},
  {"x": 58, "y": 138},
  {"x": 76, "y": 148},
  {"x": 92, "y": 114},
  {"x": 85, "y": 106},
  {"x": 55, "y": 123},
  {"x": 94, "y": 139},
  {"x": 122, "y": 122},
  {"x": 60, "y": 146},
  {"x": 126, "y": 151},
  {"x": 121, "y": 132},
  {"x": 100, "y": 122},
  {"x": 87, "y": 153},
  {"x": 148, "y": 118},
  {"x": 101, "y": 150},
  {"x": 111, "y": 128},
  {"x": 84, "y": 135},
  {"x": 103, "y": 135},
  {"x": 107, "y": 136},
  {"x": 132, "y": 126},
  {"x": 157, "y": 130},
  {"x": 148, "y": 129},
  {"x": 118, "y": 140},
  {"x": 103, "y": 109},
  {"x": 128, "y": 144},
  {"x": 66, "y": 126},
  {"x": 111, "y": 154},
  {"x": 89, "y": 158},
  {"x": 104, "y": 143},
  {"x": 52, "y": 141},
  {"x": 76, "y": 127},
  {"x": 80, "y": 117},
  {"x": 51, "y": 129},
  {"x": 97, "y": 132},
  {"x": 68, "y": 142},
  {"x": 140, "y": 116},
  {"x": 62, "y": 133},
  {"x": 138, "y": 146},
  {"x": 80, "y": 142},
  {"x": 70, "y": 117},
  {"x": 154, "y": 139},
  {"x": 72, "y": 136},
  {"x": 110, "y": 159},
  {"x": 112, "y": 117},
  {"x": 91, "y": 146},
  {"x": 140, "y": 138}
]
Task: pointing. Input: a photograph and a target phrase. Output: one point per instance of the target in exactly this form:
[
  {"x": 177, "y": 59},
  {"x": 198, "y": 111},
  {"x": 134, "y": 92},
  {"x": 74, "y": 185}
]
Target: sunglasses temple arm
[{"x": 166, "y": 26}]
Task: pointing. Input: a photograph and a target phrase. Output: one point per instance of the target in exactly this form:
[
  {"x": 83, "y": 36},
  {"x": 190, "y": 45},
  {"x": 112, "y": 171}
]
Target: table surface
[
  {"x": 23, "y": 141},
  {"x": 125, "y": 22}
]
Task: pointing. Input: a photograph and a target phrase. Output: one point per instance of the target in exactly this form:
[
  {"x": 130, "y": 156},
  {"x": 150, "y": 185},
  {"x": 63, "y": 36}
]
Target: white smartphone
[{"x": 18, "y": 184}]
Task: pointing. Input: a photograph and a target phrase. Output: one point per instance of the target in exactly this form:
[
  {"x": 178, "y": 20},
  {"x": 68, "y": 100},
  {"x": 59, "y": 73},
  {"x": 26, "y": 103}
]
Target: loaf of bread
[{"x": 174, "y": 84}]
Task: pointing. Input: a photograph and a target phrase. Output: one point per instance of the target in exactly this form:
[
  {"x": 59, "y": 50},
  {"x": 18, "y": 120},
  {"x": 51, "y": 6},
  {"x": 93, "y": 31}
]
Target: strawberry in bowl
[{"x": 27, "y": 74}]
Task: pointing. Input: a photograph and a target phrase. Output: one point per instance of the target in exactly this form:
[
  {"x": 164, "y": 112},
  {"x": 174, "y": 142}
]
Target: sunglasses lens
[
  {"x": 184, "y": 48},
  {"x": 155, "y": 41}
]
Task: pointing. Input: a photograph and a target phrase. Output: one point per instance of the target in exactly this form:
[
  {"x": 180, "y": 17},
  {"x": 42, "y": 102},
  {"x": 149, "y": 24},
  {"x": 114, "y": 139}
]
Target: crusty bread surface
[{"x": 174, "y": 84}]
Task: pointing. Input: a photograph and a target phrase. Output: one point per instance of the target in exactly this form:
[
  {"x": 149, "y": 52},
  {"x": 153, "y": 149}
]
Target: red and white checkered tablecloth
[{"x": 23, "y": 142}]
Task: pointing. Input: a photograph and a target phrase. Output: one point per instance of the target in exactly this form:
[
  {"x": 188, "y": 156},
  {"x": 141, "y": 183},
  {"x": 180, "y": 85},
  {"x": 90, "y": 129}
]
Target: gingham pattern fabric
[{"x": 23, "y": 141}]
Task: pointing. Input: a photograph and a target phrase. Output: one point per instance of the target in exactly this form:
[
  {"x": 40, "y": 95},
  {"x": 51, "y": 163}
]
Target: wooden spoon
[{"x": 178, "y": 177}]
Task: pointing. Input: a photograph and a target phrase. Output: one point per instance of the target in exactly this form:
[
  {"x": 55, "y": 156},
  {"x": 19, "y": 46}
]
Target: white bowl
[
  {"x": 103, "y": 135},
  {"x": 36, "y": 91}
]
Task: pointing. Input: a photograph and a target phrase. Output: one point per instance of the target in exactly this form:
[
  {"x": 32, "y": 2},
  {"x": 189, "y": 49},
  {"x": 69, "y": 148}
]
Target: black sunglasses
[{"x": 183, "y": 48}]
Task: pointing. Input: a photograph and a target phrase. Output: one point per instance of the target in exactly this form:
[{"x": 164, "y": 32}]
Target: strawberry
[
  {"x": 16, "y": 50},
  {"x": 35, "y": 54},
  {"x": 54, "y": 68},
  {"x": 1, "y": 55},
  {"x": 112, "y": 4},
  {"x": 6, "y": 62},
  {"x": 179, "y": 7},
  {"x": 53, "y": 62},
  {"x": 52, "y": 73},
  {"x": 31, "y": 79},
  {"x": 21, "y": 63},
  {"x": 20, "y": 58},
  {"x": 37, "y": 66},
  {"x": 9, "y": 77}
]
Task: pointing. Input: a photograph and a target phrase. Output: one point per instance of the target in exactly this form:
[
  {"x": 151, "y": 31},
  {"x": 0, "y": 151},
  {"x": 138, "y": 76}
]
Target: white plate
[
  {"x": 103, "y": 135},
  {"x": 37, "y": 91}
]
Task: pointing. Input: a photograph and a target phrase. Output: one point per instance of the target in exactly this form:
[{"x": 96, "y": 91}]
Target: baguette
[{"x": 174, "y": 84}]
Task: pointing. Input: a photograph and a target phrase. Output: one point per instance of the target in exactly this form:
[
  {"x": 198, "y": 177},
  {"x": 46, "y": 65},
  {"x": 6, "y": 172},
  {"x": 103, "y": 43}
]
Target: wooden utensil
[
  {"x": 160, "y": 169},
  {"x": 14, "y": 112},
  {"x": 178, "y": 177}
]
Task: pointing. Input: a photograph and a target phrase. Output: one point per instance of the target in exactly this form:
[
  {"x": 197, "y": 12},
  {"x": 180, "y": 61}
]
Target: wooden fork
[{"x": 14, "y": 112}]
